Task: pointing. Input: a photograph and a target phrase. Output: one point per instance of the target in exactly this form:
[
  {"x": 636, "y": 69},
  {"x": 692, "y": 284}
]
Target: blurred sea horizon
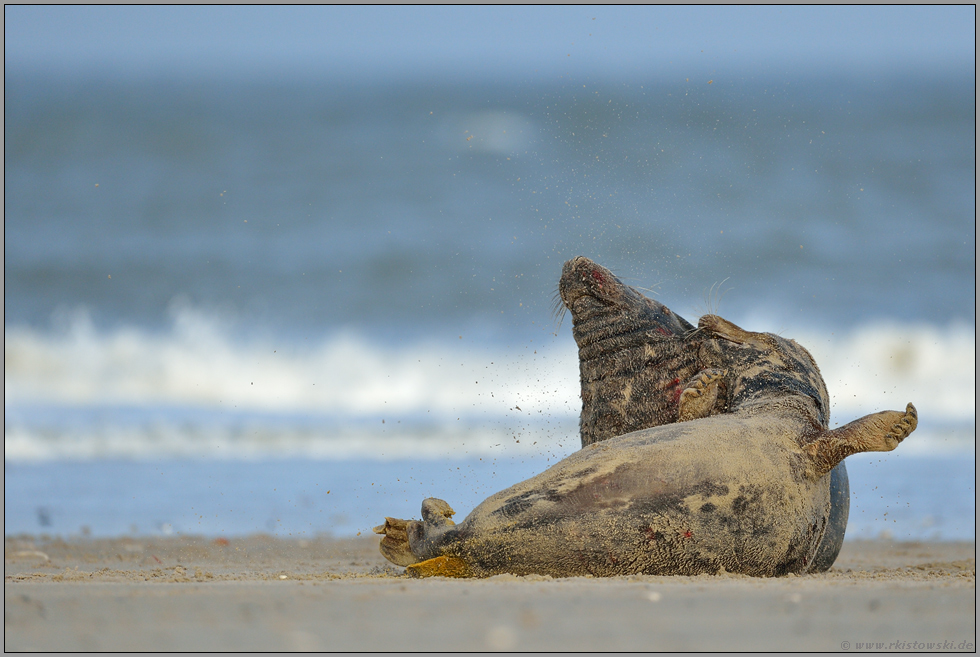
[{"x": 345, "y": 278}]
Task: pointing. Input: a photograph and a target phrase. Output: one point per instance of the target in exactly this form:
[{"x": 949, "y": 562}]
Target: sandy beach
[{"x": 270, "y": 593}]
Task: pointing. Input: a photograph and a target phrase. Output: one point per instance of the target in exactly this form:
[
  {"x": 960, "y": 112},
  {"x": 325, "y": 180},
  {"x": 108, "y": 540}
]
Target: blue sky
[{"x": 618, "y": 42}]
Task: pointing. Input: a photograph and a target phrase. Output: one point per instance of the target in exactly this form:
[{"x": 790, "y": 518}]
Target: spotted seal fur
[
  {"x": 639, "y": 361},
  {"x": 744, "y": 491}
]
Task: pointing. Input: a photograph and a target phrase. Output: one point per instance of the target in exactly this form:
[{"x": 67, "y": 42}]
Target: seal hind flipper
[
  {"x": 407, "y": 542},
  {"x": 394, "y": 546},
  {"x": 699, "y": 395},
  {"x": 878, "y": 432}
]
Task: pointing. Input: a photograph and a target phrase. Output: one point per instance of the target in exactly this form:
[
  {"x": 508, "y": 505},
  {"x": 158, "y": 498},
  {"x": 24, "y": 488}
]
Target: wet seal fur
[
  {"x": 640, "y": 364},
  {"x": 745, "y": 491}
]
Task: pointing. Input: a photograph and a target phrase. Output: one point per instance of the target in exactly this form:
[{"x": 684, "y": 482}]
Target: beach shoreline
[{"x": 262, "y": 592}]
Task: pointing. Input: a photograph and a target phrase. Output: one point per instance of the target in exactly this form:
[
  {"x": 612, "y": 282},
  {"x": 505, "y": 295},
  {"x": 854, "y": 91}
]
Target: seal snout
[{"x": 582, "y": 277}]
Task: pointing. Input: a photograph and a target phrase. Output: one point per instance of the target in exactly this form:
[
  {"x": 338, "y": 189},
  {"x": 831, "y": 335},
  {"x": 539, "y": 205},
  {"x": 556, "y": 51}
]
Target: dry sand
[{"x": 265, "y": 593}]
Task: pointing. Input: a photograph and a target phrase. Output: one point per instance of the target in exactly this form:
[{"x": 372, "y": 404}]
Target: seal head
[{"x": 635, "y": 355}]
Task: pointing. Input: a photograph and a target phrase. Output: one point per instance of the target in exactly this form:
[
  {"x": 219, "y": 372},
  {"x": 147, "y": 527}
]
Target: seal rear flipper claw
[{"x": 878, "y": 432}]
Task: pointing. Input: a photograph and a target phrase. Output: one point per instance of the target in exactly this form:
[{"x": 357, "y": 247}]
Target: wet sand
[{"x": 266, "y": 593}]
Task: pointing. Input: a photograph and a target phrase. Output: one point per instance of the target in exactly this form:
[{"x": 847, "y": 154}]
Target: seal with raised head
[
  {"x": 745, "y": 491},
  {"x": 640, "y": 364}
]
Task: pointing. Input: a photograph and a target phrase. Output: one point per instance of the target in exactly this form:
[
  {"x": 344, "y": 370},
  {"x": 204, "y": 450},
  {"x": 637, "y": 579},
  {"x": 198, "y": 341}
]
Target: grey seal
[{"x": 745, "y": 491}]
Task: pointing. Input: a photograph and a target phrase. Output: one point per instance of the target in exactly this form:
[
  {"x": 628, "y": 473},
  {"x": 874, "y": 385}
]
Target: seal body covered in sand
[
  {"x": 745, "y": 491},
  {"x": 639, "y": 361}
]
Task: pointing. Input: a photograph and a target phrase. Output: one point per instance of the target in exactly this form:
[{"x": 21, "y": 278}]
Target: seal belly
[{"x": 682, "y": 499}]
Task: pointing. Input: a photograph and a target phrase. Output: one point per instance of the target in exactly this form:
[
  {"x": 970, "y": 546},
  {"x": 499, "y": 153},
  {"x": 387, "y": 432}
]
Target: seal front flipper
[
  {"x": 878, "y": 432},
  {"x": 699, "y": 395}
]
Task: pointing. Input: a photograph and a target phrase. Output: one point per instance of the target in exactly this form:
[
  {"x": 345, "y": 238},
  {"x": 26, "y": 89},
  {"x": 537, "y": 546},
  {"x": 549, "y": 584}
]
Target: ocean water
[
  {"x": 227, "y": 289},
  {"x": 894, "y": 496}
]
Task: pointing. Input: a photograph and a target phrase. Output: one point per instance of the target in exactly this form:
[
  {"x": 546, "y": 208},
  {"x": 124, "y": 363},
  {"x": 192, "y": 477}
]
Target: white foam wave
[
  {"x": 198, "y": 363},
  {"x": 444, "y": 395},
  {"x": 885, "y": 365}
]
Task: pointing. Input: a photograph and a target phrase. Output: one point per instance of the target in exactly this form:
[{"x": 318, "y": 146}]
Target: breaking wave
[{"x": 199, "y": 390}]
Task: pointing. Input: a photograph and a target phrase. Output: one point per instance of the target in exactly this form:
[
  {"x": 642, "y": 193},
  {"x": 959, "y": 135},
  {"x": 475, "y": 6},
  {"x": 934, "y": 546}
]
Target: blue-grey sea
[{"x": 299, "y": 306}]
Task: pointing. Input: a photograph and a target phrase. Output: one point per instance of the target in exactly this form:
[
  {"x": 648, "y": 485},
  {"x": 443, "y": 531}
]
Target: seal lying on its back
[
  {"x": 639, "y": 361},
  {"x": 741, "y": 492}
]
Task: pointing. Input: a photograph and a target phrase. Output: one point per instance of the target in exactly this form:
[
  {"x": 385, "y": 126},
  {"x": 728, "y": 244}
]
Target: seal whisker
[
  {"x": 714, "y": 295},
  {"x": 558, "y": 310},
  {"x": 560, "y": 318},
  {"x": 693, "y": 332},
  {"x": 648, "y": 289}
]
